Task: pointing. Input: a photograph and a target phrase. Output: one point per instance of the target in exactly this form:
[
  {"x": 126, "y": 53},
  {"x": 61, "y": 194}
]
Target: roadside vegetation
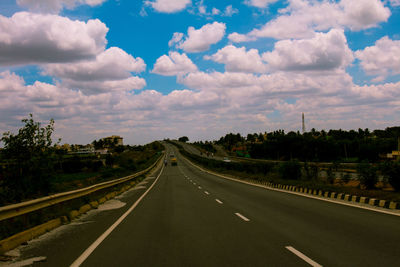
[
  {"x": 315, "y": 146},
  {"x": 375, "y": 179},
  {"x": 32, "y": 166}
]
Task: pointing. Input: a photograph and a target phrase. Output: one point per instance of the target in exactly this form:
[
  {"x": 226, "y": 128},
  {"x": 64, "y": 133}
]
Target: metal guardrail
[{"x": 14, "y": 210}]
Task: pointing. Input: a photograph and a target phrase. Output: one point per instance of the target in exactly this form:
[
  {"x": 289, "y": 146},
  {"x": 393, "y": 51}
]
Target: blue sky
[{"x": 154, "y": 69}]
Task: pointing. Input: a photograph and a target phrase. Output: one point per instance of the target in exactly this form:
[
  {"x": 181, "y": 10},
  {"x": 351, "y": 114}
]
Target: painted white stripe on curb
[
  {"x": 101, "y": 238},
  {"x": 219, "y": 201},
  {"x": 242, "y": 217},
  {"x": 205, "y": 192},
  {"x": 302, "y": 256}
]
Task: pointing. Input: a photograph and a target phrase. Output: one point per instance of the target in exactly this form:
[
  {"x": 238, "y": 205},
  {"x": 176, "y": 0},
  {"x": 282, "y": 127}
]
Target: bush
[
  {"x": 391, "y": 171},
  {"x": 367, "y": 174},
  {"x": 290, "y": 170}
]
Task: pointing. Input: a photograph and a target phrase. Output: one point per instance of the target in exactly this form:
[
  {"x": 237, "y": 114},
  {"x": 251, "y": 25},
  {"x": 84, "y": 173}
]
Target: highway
[{"x": 191, "y": 218}]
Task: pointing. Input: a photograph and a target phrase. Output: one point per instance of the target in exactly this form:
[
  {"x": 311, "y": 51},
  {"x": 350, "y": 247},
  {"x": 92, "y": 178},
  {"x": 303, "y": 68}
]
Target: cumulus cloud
[
  {"x": 302, "y": 18},
  {"x": 239, "y": 60},
  {"x": 325, "y": 51},
  {"x": 200, "y": 40},
  {"x": 54, "y": 6},
  {"x": 110, "y": 70},
  {"x": 27, "y": 38},
  {"x": 174, "y": 64},
  {"x": 260, "y": 3},
  {"x": 218, "y": 103},
  {"x": 382, "y": 59},
  {"x": 168, "y": 6},
  {"x": 112, "y": 64}
]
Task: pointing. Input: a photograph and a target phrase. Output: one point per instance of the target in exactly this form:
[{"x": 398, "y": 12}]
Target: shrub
[
  {"x": 290, "y": 170},
  {"x": 391, "y": 171},
  {"x": 367, "y": 174}
]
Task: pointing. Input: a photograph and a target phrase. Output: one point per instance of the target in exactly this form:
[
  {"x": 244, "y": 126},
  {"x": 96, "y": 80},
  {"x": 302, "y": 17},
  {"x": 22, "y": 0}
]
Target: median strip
[{"x": 302, "y": 256}]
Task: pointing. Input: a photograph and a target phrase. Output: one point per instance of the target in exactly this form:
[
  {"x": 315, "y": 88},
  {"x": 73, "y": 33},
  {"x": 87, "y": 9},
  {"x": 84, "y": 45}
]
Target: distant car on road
[
  {"x": 226, "y": 159},
  {"x": 174, "y": 162}
]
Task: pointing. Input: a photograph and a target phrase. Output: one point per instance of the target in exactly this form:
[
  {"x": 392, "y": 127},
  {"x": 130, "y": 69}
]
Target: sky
[{"x": 155, "y": 69}]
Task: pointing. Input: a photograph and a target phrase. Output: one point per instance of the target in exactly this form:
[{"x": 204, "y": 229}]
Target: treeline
[
  {"x": 295, "y": 172},
  {"x": 334, "y": 145}
]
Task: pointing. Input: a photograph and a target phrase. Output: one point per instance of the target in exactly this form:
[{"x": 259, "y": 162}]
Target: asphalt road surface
[{"x": 190, "y": 218}]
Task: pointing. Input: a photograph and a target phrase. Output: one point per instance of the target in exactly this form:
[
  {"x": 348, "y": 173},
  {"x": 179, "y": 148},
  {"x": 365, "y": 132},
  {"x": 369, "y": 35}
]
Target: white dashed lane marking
[
  {"x": 242, "y": 217},
  {"x": 218, "y": 201},
  {"x": 302, "y": 256},
  {"x": 205, "y": 192}
]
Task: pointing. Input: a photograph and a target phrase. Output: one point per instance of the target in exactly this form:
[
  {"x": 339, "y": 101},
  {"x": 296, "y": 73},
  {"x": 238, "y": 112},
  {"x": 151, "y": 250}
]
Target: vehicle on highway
[
  {"x": 174, "y": 162},
  {"x": 226, "y": 159}
]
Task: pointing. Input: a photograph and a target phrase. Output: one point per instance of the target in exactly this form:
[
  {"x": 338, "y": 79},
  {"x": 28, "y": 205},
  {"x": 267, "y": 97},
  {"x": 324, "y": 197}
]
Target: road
[{"x": 190, "y": 218}]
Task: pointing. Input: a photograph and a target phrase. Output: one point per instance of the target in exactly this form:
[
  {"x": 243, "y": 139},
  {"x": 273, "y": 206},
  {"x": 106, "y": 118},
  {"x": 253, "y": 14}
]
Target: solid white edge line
[
  {"x": 303, "y": 257},
  {"x": 242, "y": 217},
  {"x": 298, "y": 193},
  {"x": 219, "y": 201},
  {"x": 101, "y": 238}
]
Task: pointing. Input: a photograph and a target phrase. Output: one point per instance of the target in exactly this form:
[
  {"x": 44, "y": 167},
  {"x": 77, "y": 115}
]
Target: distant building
[{"x": 114, "y": 139}]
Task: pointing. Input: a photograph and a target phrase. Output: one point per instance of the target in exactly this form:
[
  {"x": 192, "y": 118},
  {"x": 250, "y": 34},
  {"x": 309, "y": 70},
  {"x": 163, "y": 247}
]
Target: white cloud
[
  {"x": 238, "y": 38},
  {"x": 260, "y": 3},
  {"x": 201, "y": 39},
  {"x": 97, "y": 86},
  {"x": 230, "y": 11},
  {"x": 215, "y": 11},
  {"x": 168, "y": 6},
  {"x": 325, "y": 51},
  {"x": 109, "y": 71},
  {"x": 239, "y": 60},
  {"x": 363, "y": 14},
  {"x": 174, "y": 64},
  {"x": 395, "y": 2},
  {"x": 112, "y": 64},
  {"x": 28, "y": 38},
  {"x": 176, "y": 38},
  {"x": 302, "y": 18},
  {"x": 219, "y": 103},
  {"x": 55, "y": 6},
  {"x": 382, "y": 59}
]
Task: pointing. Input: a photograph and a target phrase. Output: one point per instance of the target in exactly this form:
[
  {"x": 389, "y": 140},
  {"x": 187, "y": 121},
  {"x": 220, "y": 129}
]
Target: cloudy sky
[{"x": 154, "y": 69}]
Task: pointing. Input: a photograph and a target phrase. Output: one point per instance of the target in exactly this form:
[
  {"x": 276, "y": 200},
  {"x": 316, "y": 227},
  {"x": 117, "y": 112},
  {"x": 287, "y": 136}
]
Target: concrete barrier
[
  {"x": 364, "y": 200},
  {"x": 382, "y": 203},
  {"x": 373, "y": 202},
  {"x": 355, "y": 198},
  {"x": 22, "y": 237},
  {"x": 393, "y": 205}
]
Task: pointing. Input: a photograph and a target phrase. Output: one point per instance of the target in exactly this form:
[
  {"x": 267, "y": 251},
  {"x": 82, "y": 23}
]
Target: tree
[
  {"x": 183, "y": 139},
  {"x": 29, "y": 160}
]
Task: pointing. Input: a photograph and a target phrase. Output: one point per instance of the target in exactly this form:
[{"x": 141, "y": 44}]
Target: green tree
[
  {"x": 29, "y": 160},
  {"x": 183, "y": 139}
]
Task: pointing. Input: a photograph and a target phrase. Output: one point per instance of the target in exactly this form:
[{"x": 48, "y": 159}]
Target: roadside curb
[{"x": 383, "y": 206}]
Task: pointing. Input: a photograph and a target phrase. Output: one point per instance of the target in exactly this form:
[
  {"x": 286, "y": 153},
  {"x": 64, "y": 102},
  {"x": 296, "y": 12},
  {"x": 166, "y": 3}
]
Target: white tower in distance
[{"x": 303, "y": 128}]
